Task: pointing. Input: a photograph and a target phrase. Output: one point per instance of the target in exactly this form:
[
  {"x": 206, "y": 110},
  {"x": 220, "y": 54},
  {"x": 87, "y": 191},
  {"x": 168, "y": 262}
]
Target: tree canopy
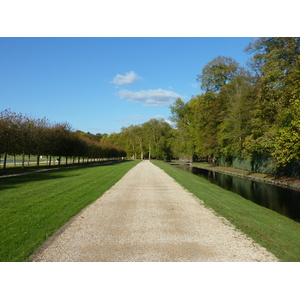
[
  {"x": 22, "y": 135},
  {"x": 241, "y": 113},
  {"x": 219, "y": 72}
]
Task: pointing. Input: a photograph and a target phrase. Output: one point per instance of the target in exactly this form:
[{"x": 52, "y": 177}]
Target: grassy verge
[
  {"x": 11, "y": 169},
  {"x": 33, "y": 206},
  {"x": 278, "y": 234}
]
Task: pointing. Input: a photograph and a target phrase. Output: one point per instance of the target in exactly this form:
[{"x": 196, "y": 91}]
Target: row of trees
[
  {"x": 241, "y": 113},
  {"x": 151, "y": 139},
  {"x": 246, "y": 113},
  {"x": 21, "y": 135}
]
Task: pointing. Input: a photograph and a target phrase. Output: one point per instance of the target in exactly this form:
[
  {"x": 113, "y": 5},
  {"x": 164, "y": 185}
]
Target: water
[{"x": 282, "y": 200}]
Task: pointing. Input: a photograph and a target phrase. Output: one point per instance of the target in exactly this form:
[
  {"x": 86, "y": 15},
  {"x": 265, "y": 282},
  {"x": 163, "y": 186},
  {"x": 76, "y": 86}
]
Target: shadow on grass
[
  {"x": 32, "y": 168},
  {"x": 42, "y": 173}
]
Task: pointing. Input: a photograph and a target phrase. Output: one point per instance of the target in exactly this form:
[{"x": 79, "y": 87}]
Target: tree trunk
[
  {"x": 23, "y": 160},
  {"x": 28, "y": 161},
  {"x": 4, "y": 161},
  {"x": 38, "y": 160},
  {"x": 15, "y": 161}
]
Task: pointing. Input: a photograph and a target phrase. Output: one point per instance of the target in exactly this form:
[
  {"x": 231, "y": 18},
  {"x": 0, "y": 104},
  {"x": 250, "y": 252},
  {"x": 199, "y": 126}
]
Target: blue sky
[{"x": 102, "y": 84}]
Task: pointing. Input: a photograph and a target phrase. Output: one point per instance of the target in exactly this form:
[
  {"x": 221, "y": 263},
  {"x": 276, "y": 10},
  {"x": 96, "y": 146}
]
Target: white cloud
[
  {"x": 128, "y": 78},
  {"x": 157, "y": 97}
]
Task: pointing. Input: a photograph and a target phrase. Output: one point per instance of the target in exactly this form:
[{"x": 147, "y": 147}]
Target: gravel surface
[{"x": 147, "y": 216}]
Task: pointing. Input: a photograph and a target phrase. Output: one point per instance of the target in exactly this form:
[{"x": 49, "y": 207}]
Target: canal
[{"x": 282, "y": 200}]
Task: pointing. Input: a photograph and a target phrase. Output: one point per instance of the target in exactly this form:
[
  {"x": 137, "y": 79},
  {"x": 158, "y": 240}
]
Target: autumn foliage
[{"x": 21, "y": 135}]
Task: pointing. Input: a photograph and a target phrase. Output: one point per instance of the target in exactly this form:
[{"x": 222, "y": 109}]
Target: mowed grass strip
[
  {"x": 33, "y": 206},
  {"x": 278, "y": 234}
]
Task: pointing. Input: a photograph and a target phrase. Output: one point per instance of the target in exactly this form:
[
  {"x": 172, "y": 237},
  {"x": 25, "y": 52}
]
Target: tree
[
  {"x": 40, "y": 137},
  {"x": 139, "y": 139},
  {"x": 157, "y": 134},
  {"x": 287, "y": 141},
  {"x": 239, "y": 119},
  {"x": 178, "y": 112},
  {"x": 59, "y": 140},
  {"x": 219, "y": 72},
  {"x": 183, "y": 137},
  {"x": 129, "y": 140},
  {"x": 278, "y": 61},
  {"x": 10, "y": 123},
  {"x": 208, "y": 110}
]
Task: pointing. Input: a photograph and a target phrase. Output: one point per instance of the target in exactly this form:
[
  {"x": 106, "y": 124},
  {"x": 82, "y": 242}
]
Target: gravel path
[{"x": 147, "y": 216}]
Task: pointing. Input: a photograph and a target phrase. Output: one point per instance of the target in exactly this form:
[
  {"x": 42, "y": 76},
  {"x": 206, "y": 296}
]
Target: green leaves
[
  {"x": 287, "y": 142},
  {"x": 244, "y": 115},
  {"x": 219, "y": 72}
]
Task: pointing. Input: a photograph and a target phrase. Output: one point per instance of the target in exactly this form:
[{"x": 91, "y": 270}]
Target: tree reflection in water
[{"x": 282, "y": 200}]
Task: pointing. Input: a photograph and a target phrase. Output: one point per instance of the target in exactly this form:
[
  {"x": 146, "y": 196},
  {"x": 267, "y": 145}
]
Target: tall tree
[
  {"x": 183, "y": 136},
  {"x": 278, "y": 61},
  {"x": 10, "y": 124},
  {"x": 239, "y": 119},
  {"x": 218, "y": 72},
  {"x": 157, "y": 134},
  {"x": 208, "y": 110}
]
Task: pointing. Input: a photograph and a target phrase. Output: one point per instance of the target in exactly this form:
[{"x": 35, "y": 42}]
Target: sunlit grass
[{"x": 33, "y": 206}]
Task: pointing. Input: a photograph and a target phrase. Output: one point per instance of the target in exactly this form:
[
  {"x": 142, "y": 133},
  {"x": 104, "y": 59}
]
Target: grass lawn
[
  {"x": 278, "y": 234},
  {"x": 33, "y": 206},
  {"x": 17, "y": 169}
]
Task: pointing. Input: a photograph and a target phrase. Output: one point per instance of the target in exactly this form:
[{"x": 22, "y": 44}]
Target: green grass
[
  {"x": 17, "y": 169},
  {"x": 278, "y": 234},
  {"x": 33, "y": 206}
]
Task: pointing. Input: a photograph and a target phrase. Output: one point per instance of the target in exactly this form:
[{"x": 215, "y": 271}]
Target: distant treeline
[
  {"x": 248, "y": 113},
  {"x": 21, "y": 135}
]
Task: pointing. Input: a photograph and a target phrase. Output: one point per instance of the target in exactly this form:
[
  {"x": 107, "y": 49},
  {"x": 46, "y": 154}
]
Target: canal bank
[
  {"x": 287, "y": 182},
  {"x": 284, "y": 201}
]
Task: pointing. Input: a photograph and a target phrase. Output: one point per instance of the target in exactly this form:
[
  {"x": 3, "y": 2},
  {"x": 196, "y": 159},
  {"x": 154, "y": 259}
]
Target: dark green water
[{"x": 282, "y": 200}]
